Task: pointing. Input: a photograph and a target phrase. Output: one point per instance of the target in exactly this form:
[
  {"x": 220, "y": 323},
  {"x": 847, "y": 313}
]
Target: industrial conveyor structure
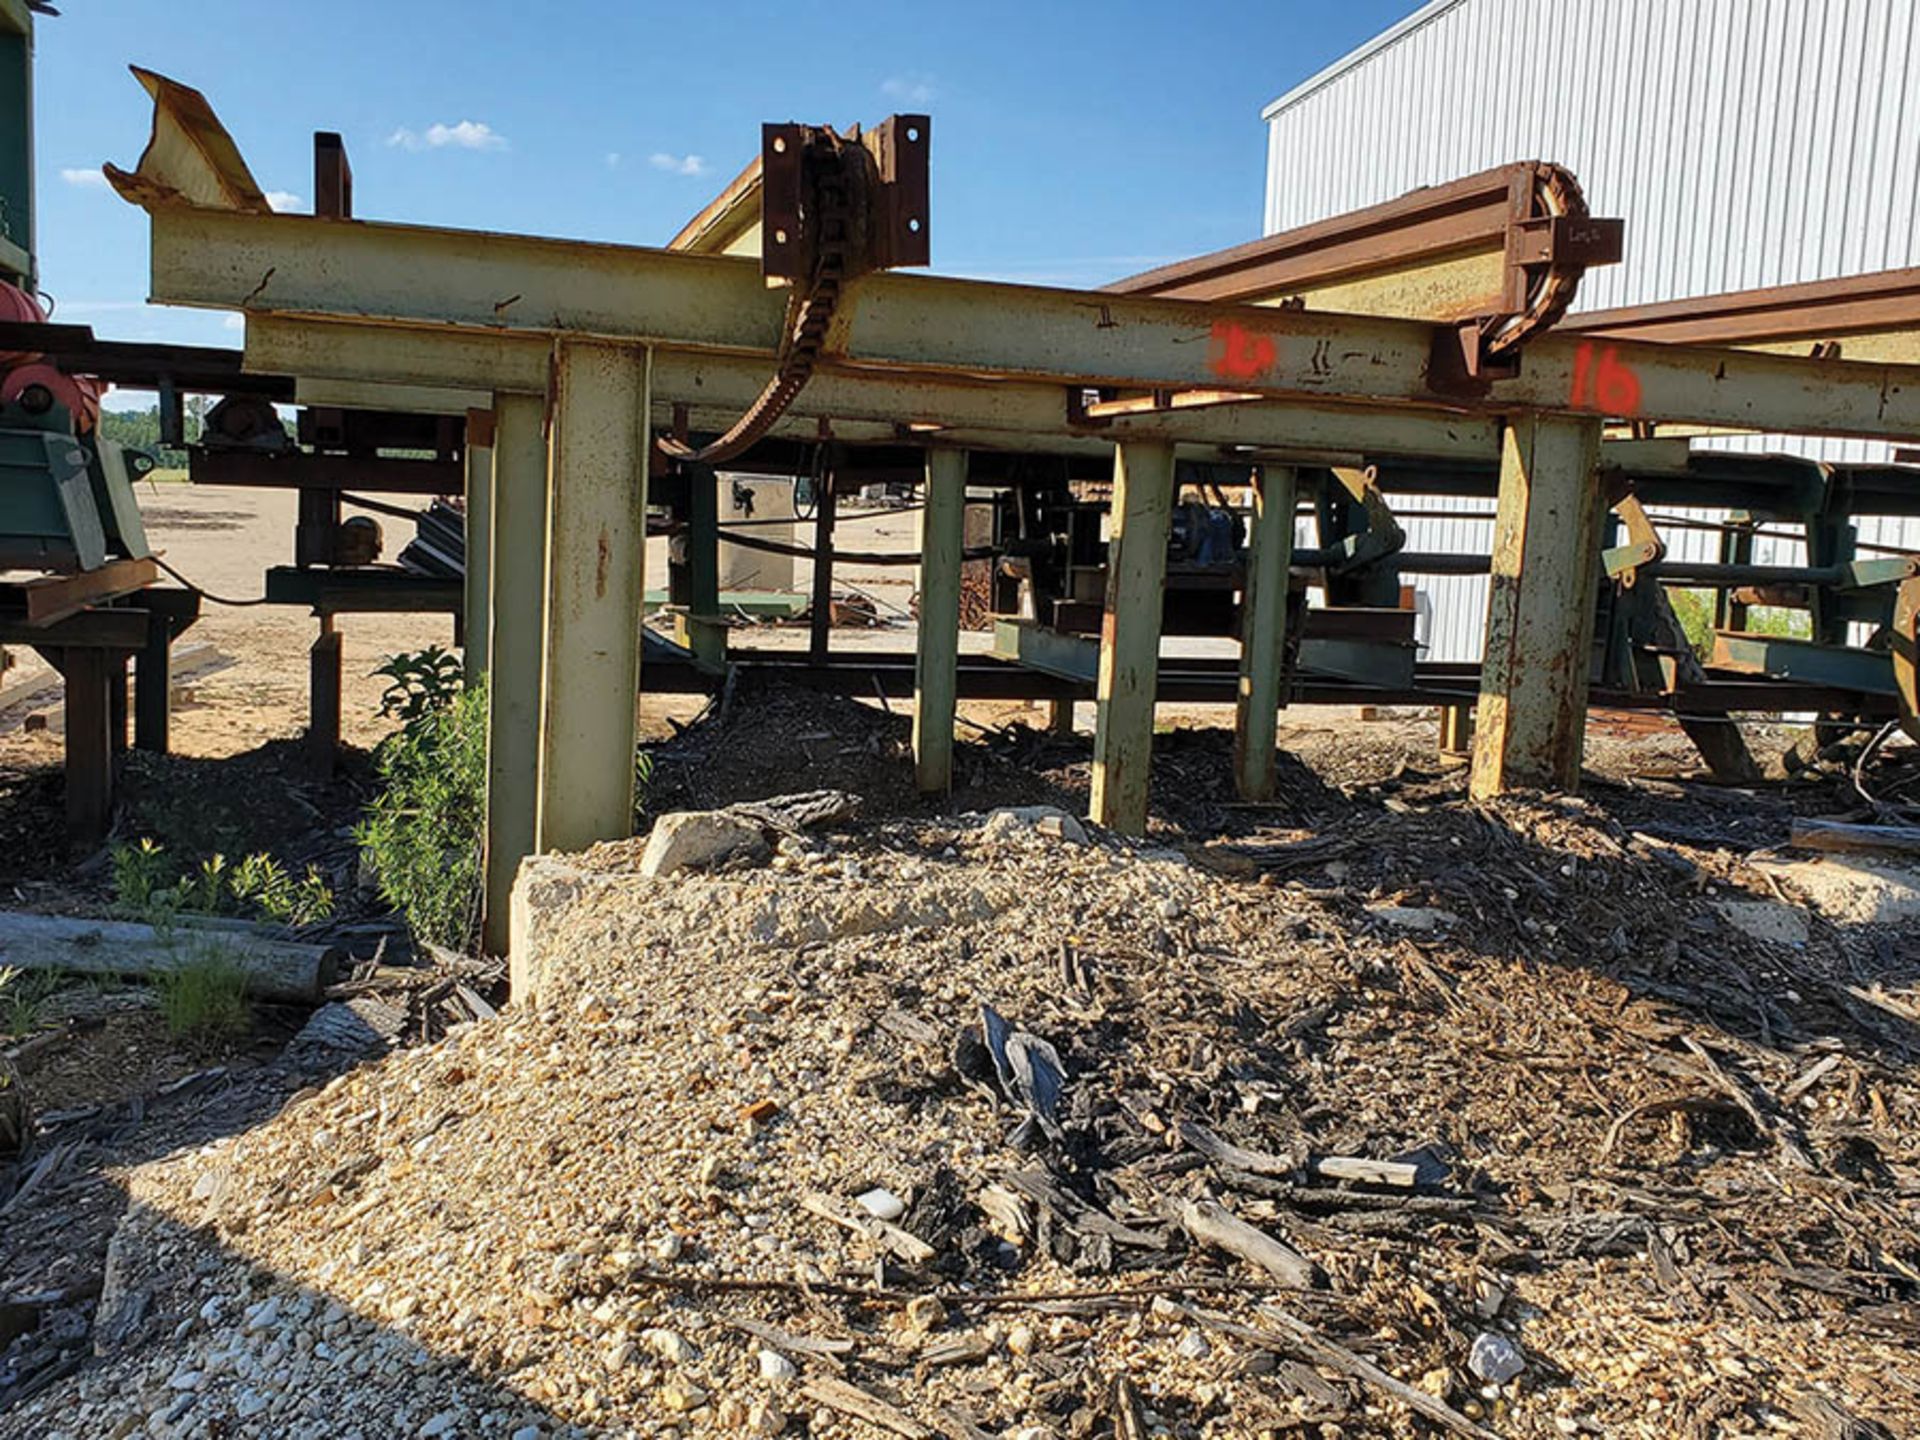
[{"x": 1145, "y": 449}]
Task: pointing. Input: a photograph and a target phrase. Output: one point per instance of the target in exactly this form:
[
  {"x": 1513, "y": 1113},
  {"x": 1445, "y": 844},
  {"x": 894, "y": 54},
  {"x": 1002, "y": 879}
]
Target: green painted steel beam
[
  {"x": 418, "y": 275},
  {"x": 937, "y": 647},
  {"x": 16, "y": 143},
  {"x": 1142, "y": 515},
  {"x": 596, "y": 580},
  {"x": 978, "y": 414},
  {"x": 517, "y": 627}
]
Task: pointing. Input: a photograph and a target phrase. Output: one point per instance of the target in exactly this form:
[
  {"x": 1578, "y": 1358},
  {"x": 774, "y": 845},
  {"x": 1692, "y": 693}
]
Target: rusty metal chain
[
  {"x": 810, "y": 309},
  {"x": 1557, "y": 287}
]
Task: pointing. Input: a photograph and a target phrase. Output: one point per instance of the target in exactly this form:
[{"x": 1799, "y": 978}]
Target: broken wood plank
[
  {"x": 890, "y": 1237},
  {"x": 1814, "y": 1074},
  {"x": 1077, "y": 1213},
  {"x": 1213, "y": 1224},
  {"x": 1234, "y": 1157},
  {"x": 274, "y": 969},
  {"x": 850, "y": 1399},
  {"x": 1367, "y": 1172},
  {"x": 1296, "y": 1335}
]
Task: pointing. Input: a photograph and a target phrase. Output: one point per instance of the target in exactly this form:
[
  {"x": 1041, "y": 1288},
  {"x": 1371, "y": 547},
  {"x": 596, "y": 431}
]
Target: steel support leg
[
  {"x": 1546, "y": 565},
  {"x": 1456, "y": 731},
  {"x": 478, "y": 547},
  {"x": 706, "y": 631},
  {"x": 517, "y": 628},
  {"x": 89, "y": 758},
  {"x": 153, "y": 686},
  {"x": 596, "y": 575},
  {"x": 323, "y": 700},
  {"x": 1263, "y": 633},
  {"x": 1130, "y": 633},
  {"x": 826, "y": 505},
  {"x": 937, "y": 656}
]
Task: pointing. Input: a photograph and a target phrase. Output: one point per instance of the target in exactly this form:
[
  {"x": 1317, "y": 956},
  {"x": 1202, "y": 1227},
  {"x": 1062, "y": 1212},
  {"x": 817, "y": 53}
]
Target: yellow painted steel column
[
  {"x": 474, "y": 621},
  {"x": 937, "y": 655},
  {"x": 596, "y": 577},
  {"x": 1263, "y": 632},
  {"x": 516, "y": 633},
  {"x": 1546, "y": 566},
  {"x": 1130, "y": 633}
]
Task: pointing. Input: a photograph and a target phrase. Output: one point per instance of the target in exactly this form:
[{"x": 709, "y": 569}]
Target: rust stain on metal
[{"x": 602, "y": 565}]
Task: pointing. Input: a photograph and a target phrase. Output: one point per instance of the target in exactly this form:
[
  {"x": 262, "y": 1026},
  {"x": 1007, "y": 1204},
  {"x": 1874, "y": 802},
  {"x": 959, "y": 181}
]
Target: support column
[
  {"x": 1456, "y": 731},
  {"x": 1263, "y": 632},
  {"x": 826, "y": 505},
  {"x": 1130, "y": 633},
  {"x": 937, "y": 654},
  {"x": 596, "y": 576},
  {"x": 706, "y": 631},
  {"x": 516, "y": 623},
  {"x": 1539, "y": 649},
  {"x": 323, "y": 700},
  {"x": 89, "y": 758},
  {"x": 153, "y": 686},
  {"x": 479, "y": 443}
]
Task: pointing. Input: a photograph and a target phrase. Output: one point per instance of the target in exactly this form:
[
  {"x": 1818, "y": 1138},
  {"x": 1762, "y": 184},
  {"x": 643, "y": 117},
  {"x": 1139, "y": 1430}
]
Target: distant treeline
[{"x": 141, "y": 429}]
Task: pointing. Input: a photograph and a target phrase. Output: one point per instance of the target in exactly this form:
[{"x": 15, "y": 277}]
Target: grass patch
[
  {"x": 23, "y": 999},
  {"x": 204, "y": 1001}
]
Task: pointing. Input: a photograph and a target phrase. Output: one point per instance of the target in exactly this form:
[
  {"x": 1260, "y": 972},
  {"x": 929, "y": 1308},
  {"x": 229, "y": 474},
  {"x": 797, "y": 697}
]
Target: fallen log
[
  {"x": 1837, "y": 835},
  {"x": 275, "y": 969}
]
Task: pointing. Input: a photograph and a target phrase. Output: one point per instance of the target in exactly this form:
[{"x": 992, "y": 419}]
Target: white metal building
[{"x": 1745, "y": 142}]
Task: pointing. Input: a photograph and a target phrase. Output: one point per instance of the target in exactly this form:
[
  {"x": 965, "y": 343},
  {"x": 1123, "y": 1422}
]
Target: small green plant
[
  {"x": 204, "y": 999},
  {"x": 420, "y": 682},
  {"x": 149, "y": 884},
  {"x": 139, "y": 873},
  {"x": 23, "y": 999},
  {"x": 421, "y": 836}
]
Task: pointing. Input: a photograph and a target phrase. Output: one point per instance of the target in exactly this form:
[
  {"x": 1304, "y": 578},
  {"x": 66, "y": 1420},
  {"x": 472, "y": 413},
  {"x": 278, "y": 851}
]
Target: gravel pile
[{"x": 1557, "y": 1150}]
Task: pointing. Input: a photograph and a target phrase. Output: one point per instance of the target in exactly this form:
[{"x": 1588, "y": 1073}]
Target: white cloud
[
  {"x": 613, "y": 159},
  {"x": 908, "y": 89},
  {"x": 678, "y": 164},
  {"x": 233, "y": 322},
  {"x": 284, "y": 200},
  {"x": 466, "y": 135},
  {"x": 93, "y": 179}
]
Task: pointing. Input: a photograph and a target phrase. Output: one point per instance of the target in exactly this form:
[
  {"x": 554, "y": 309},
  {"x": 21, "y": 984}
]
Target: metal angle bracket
[{"x": 890, "y": 167}]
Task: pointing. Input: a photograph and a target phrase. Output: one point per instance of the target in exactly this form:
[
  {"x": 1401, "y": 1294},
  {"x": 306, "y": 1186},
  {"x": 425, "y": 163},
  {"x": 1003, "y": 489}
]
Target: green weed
[
  {"x": 421, "y": 836},
  {"x": 204, "y": 1000}
]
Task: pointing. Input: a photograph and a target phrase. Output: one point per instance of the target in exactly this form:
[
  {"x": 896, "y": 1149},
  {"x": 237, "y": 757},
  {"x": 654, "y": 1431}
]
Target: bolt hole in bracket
[{"x": 897, "y": 192}]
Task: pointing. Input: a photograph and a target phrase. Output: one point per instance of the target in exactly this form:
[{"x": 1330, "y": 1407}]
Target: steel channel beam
[
  {"x": 517, "y": 627},
  {"x": 938, "y": 637},
  {"x": 1871, "y": 317},
  {"x": 982, "y": 413},
  {"x": 596, "y": 581},
  {"x": 289, "y": 264},
  {"x": 1263, "y": 632},
  {"x": 1540, "y": 613},
  {"x": 1143, "y": 486}
]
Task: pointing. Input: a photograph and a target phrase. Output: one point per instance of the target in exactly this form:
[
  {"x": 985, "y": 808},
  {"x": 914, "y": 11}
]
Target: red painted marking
[
  {"x": 1239, "y": 354},
  {"x": 1605, "y": 383}
]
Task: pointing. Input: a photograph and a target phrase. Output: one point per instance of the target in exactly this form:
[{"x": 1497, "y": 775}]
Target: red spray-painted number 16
[
  {"x": 1239, "y": 354},
  {"x": 1603, "y": 382}
]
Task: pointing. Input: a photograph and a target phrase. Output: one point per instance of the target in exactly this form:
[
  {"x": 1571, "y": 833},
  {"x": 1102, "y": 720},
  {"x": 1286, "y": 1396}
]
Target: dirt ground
[{"x": 1679, "y": 1156}]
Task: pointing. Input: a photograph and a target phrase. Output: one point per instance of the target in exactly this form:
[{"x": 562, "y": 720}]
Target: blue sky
[{"x": 1071, "y": 144}]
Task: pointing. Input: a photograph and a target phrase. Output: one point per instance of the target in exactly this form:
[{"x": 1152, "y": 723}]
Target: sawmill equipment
[{"x": 590, "y": 354}]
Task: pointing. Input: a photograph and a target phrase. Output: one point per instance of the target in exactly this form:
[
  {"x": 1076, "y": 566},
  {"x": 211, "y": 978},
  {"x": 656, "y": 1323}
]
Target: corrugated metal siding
[{"x": 1747, "y": 143}]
